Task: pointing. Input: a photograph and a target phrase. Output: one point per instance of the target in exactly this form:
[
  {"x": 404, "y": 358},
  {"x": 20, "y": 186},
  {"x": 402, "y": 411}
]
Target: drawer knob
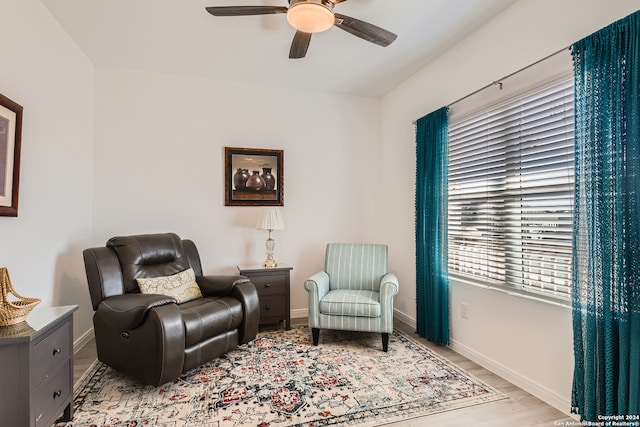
[
  {"x": 56, "y": 351},
  {"x": 268, "y": 285},
  {"x": 57, "y": 393},
  {"x": 268, "y": 307}
]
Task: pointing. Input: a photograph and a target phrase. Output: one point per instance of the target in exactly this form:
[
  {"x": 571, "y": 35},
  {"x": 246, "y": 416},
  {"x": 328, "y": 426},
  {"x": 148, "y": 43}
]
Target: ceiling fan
[{"x": 312, "y": 16}]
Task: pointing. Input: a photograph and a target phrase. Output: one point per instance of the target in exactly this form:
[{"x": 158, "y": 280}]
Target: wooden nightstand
[
  {"x": 272, "y": 285},
  {"x": 36, "y": 366}
]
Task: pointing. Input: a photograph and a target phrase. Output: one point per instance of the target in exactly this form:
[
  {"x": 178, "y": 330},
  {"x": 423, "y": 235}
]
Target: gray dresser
[{"x": 36, "y": 368}]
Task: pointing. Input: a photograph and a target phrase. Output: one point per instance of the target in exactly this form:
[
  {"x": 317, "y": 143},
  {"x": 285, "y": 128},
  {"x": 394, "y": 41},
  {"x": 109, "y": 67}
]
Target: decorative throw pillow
[{"x": 182, "y": 286}]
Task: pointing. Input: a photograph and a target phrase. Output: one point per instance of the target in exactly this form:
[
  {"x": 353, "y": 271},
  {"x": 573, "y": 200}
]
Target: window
[{"x": 511, "y": 175}]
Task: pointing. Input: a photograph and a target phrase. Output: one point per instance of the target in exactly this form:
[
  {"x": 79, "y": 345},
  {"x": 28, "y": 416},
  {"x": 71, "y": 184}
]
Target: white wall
[
  {"x": 44, "y": 71},
  {"x": 159, "y": 152},
  {"x": 527, "y": 342}
]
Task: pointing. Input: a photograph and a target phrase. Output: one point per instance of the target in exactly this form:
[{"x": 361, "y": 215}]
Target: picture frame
[
  {"x": 253, "y": 177},
  {"x": 10, "y": 145}
]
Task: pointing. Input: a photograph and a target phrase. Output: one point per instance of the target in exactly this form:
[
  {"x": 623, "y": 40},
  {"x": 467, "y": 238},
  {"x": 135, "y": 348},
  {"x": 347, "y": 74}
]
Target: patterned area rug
[{"x": 280, "y": 380}]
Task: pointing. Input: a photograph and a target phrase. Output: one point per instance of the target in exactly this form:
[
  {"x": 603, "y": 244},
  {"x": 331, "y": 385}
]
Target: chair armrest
[
  {"x": 389, "y": 285},
  {"x": 128, "y": 311},
  {"x": 388, "y": 288},
  {"x": 318, "y": 284},
  {"x": 219, "y": 285}
]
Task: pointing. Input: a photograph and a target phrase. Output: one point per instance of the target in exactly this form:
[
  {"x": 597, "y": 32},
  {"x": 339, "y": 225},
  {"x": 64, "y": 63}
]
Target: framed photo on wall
[
  {"x": 253, "y": 177},
  {"x": 10, "y": 140}
]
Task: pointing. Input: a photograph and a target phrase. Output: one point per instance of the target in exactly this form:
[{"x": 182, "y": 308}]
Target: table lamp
[{"x": 270, "y": 219}]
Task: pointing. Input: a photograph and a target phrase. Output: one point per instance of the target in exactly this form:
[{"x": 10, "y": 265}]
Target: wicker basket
[
  {"x": 22, "y": 329},
  {"x": 15, "y": 310}
]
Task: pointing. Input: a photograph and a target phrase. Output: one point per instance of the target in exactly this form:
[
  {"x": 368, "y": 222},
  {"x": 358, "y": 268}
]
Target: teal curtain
[
  {"x": 432, "y": 284},
  {"x": 606, "y": 259}
]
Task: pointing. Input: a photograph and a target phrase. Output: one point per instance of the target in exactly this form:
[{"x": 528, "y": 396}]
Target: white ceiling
[{"x": 180, "y": 37}]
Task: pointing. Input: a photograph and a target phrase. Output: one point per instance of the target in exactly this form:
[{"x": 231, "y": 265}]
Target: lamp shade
[{"x": 270, "y": 219}]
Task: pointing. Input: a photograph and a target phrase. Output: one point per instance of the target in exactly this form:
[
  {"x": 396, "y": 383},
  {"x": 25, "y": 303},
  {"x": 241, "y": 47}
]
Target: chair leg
[
  {"x": 385, "y": 342},
  {"x": 315, "y": 333}
]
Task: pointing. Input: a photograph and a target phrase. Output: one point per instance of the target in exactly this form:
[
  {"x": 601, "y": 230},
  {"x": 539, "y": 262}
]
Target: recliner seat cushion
[
  {"x": 207, "y": 317},
  {"x": 348, "y": 302}
]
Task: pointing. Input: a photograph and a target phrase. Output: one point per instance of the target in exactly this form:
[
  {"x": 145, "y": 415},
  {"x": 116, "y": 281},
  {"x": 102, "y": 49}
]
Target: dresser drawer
[
  {"x": 274, "y": 306},
  {"x": 51, "y": 397},
  {"x": 50, "y": 353},
  {"x": 271, "y": 284}
]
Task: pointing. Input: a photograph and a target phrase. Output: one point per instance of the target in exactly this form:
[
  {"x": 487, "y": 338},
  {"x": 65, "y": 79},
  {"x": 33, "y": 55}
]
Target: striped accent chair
[{"x": 354, "y": 292}]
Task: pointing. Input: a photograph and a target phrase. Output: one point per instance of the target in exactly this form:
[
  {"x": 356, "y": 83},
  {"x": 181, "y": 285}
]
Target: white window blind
[{"x": 511, "y": 175}]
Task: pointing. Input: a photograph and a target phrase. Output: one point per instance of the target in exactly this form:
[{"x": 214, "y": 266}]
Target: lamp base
[{"x": 269, "y": 262}]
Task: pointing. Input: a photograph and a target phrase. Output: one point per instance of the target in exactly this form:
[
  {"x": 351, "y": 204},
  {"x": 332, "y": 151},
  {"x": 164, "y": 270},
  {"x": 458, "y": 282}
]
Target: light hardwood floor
[{"x": 520, "y": 409}]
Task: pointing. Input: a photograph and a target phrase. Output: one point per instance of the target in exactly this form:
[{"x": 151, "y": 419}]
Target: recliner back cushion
[
  {"x": 355, "y": 266},
  {"x": 148, "y": 255}
]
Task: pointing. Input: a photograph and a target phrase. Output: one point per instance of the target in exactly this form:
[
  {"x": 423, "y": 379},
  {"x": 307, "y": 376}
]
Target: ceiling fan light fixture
[{"x": 311, "y": 16}]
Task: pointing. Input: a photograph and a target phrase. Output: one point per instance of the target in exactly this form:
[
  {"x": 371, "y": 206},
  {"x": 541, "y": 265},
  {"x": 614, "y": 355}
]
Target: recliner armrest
[
  {"x": 239, "y": 287},
  {"x": 219, "y": 285},
  {"x": 246, "y": 292},
  {"x": 128, "y": 311}
]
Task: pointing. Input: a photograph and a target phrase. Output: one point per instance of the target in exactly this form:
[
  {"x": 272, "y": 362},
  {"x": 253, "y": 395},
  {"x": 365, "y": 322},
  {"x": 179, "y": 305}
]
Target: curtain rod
[{"x": 499, "y": 81}]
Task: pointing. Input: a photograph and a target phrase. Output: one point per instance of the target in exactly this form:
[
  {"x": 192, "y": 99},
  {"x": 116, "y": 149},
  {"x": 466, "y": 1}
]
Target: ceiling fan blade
[
  {"x": 364, "y": 30},
  {"x": 337, "y": 1},
  {"x": 244, "y": 10},
  {"x": 299, "y": 45}
]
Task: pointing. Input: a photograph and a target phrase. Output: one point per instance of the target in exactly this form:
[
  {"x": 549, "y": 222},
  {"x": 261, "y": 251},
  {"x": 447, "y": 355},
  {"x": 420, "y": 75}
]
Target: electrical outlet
[{"x": 464, "y": 310}]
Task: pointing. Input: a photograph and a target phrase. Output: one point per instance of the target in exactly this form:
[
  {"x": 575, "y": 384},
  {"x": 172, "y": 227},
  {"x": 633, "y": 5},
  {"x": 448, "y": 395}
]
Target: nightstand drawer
[
  {"x": 272, "y": 284},
  {"x": 50, "y": 353},
  {"x": 50, "y": 399},
  {"x": 273, "y": 307}
]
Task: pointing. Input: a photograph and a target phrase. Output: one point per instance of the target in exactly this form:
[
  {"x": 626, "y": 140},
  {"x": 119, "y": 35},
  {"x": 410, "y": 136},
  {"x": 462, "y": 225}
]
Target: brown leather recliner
[{"x": 149, "y": 336}]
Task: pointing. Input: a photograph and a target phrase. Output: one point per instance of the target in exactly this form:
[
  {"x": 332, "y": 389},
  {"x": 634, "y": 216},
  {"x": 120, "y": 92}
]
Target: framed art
[
  {"x": 10, "y": 140},
  {"x": 253, "y": 177}
]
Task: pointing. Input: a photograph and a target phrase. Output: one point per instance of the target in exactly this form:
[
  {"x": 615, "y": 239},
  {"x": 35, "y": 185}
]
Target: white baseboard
[
  {"x": 543, "y": 393},
  {"x": 404, "y": 318},
  {"x": 80, "y": 342},
  {"x": 298, "y": 313}
]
